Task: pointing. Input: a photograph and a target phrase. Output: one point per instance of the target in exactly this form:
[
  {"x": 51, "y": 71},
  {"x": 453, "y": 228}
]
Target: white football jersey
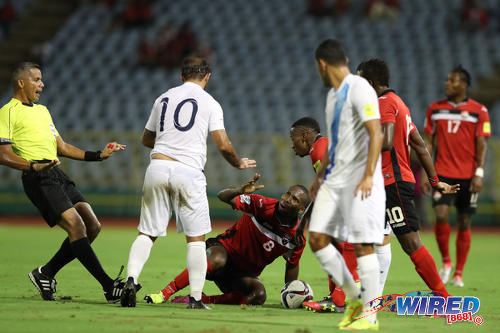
[
  {"x": 182, "y": 117},
  {"x": 347, "y": 109}
]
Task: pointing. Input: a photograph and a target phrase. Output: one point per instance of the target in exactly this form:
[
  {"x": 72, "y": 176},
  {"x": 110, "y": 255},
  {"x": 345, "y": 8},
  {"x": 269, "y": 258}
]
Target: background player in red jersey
[
  {"x": 237, "y": 256},
  {"x": 306, "y": 139},
  {"x": 457, "y": 128},
  {"x": 399, "y": 135}
]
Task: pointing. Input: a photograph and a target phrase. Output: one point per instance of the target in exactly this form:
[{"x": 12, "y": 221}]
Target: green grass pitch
[{"x": 81, "y": 306}]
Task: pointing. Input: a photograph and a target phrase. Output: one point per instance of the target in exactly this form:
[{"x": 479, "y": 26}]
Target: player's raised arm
[
  {"x": 226, "y": 148},
  {"x": 229, "y": 195},
  {"x": 418, "y": 144},
  {"x": 67, "y": 150}
]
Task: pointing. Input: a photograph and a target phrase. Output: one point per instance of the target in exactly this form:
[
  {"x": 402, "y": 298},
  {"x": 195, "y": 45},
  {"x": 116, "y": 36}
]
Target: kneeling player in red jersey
[
  {"x": 237, "y": 256},
  {"x": 399, "y": 135},
  {"x": 306, "y": 139}
]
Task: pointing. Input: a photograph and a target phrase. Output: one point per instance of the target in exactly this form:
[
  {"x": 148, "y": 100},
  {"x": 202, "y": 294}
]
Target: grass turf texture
[{"x": 81, "y": 306}]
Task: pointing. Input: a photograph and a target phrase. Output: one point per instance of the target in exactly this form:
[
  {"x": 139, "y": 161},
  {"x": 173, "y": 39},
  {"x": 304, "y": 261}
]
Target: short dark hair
[
  {"x": 332, "y": 52},
  {"x": 375, "y": 70},
  {"x": 21, "y": 68},
  {"x": 195, "y": 67},
  {"x": 463, "y": 73},
  {"x": 307, "y": 122}
]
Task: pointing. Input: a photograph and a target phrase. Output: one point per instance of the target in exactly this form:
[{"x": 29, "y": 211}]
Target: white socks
[
  {"x": 139, "y": 254},
  {"x": 384, "y": 256},
  {"x": 334, "y": 265},
  {"x": 369, "y": 275},
  {"x": 197, "y": 267}
]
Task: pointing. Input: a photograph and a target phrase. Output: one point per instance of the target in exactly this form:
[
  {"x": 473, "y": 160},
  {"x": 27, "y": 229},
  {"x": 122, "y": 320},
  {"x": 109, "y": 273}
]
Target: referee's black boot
[
  {"x": 114, "y": 292},
  {"x": 45, "y": 285}
]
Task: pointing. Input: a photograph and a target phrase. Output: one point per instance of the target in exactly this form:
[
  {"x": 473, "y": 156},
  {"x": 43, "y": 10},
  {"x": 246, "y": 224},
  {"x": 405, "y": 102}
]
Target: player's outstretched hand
[
  {"x": 45, "y": 166},
  {"x": 447, "y": 189},
  {"x": 476, "y": 184},
  {"x": 365, "y": 187},
  {"x": 246, "y": 163},
  {"x": 110, "y": 149},
  {"x": 314, "y": 188},
  {"x": 250, "y": 187}
]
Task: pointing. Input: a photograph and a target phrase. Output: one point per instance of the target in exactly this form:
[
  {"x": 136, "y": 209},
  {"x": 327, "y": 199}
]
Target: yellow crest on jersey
[
  {"x": 370, "y": 110},
  {"x": 317, "y": 165},
  {"x": 486, "y": 127}
]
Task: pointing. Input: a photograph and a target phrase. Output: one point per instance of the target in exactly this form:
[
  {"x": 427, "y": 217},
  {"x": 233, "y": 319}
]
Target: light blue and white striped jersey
[{"x": 347, "y": 109}]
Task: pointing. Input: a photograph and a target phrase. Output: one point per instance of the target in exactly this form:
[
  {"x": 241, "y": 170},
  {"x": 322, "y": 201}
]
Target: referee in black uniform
[{"x": 30, "y": 142}]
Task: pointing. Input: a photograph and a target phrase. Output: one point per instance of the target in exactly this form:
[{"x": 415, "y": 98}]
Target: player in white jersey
[
  {"x": 349, "y": 189},
  {"x": 177, "y": 132}
]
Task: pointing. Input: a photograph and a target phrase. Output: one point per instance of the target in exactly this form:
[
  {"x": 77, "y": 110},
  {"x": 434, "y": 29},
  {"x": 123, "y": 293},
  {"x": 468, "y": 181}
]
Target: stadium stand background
[{"x": 264, "y": 76}]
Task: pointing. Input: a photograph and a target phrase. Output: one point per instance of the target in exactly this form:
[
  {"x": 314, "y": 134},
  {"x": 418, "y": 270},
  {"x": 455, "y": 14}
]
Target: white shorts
[
  {"x": 168, "y": 186},
  {"x": 387, "y": 229},
  {"x": 338, "y": 213}
]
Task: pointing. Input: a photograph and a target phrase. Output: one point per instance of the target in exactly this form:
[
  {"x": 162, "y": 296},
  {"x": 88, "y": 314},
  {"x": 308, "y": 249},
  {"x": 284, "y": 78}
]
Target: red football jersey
[
  {"x": 396, "y": 162},
  {"x": 258, "y": 238},
  {"x": 317, "y": 151},
  {"x": 456, "y": 128}
]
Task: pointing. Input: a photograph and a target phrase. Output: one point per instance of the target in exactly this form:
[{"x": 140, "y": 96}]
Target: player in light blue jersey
[{"x": 349, "y": 188}]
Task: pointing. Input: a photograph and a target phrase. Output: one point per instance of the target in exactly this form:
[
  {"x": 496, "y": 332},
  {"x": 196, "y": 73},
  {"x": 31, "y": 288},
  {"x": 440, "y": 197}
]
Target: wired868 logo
[{"x": 426, "y": 303}]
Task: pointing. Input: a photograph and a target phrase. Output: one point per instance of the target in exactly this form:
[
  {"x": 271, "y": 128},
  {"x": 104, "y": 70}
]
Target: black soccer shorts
[
  {"x": 400, "y": 212},
  {"x": 52, "y": 192},
  {"x": 227, "y": 278},
  {"x": 465, "y": 201}
]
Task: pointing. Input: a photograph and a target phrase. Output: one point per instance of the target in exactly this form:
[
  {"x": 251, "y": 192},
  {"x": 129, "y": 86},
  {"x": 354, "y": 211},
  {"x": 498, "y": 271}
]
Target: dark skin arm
[
  {"x": 70, "y": 151},
  {"x": 318, "y": 180},
  {"x": 10, "y": 159},
  {"x": 304, "y": 221},
  {"x": 430, "y": 143},
  {"x": 291, "y": 272},
  {"x": 419, "y": 146},
  {"x": 148, "y": 139},
  {"x": 476, "y": 183},
  {"x": 229, "y": 195},
  {"x": 388, "y": 141}
]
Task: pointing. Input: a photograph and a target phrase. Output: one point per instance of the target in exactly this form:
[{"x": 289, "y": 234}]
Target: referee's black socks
[
  {"x": 83, "y": 251},
  {"x": 62, "y": 257}
]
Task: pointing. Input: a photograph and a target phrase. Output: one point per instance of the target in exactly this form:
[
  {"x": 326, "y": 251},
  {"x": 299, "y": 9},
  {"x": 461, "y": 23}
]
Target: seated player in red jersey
[
  {"x": 237, "y": 256},
  {"x": 399, "y": 135},
  {"x": 457, "y": 128},
  {"x": 306, "y": 139}
]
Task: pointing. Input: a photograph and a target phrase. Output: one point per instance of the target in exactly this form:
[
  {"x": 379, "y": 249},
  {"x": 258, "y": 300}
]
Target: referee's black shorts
[
  {"x": 400, "y": 212},
  {"x": 52, "y": 192},
  {"x": 465, "y": 200}
]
